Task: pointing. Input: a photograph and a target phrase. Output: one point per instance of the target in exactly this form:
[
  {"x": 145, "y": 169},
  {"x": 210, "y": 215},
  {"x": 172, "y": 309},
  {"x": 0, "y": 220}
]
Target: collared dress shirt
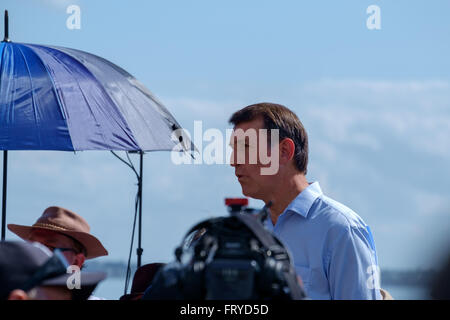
[{"x": 332, "y": 247}]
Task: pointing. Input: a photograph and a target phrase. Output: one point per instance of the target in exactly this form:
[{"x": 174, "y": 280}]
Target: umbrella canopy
[{"x": 54, "y": 98}]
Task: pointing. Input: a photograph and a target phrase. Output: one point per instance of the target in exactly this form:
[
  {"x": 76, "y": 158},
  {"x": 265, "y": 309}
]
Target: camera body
[{"x": 228, "y": 258}]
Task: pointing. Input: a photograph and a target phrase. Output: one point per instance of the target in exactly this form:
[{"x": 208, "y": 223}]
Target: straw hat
[{"x": 65, "y": 222}]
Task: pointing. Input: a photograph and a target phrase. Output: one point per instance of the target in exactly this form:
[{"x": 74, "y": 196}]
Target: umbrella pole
[
  {"x": 5, "y": 152},
  {"x": 6, "y": 38},
  {"x": 5, "y": 175},
  {"x": 139, "y": 250}
]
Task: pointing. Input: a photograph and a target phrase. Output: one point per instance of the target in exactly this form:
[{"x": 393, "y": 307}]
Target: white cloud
[
  {"x": 374, "y": 86},
  {"x": 361, "y": 112},
  {"x": 59, "y": 166},
  {"x": 429, "y": 204},
  {"x": 202, "y": 109}
]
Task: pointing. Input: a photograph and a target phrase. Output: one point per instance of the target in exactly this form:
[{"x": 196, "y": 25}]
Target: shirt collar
[{"x": 305, "y": 199}]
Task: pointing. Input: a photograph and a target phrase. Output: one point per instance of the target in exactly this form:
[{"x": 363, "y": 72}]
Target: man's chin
[{"x": 249, "y": 193}]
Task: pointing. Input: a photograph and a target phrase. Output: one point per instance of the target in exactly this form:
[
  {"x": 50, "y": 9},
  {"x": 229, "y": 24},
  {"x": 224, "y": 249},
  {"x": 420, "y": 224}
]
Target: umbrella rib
[
  {"x": 129, "y": 164},
  {"x": 1, "y": 62},
  {"x": 130, "y": 133},
  {"x": 137, "y": 200},
  {"x": 84, "y": 96},
  {"x": 9, "y": 84},
  {"x": 59, "y": 99},
  {"x": 156, "y": 105},
  {"x": 32, "y": 90},
  {"x": 133, "y": 138},
  {"x": 52, "y": 80},
  {"x": 13, "y": 94},
  {"x": 137, "y": 85}
]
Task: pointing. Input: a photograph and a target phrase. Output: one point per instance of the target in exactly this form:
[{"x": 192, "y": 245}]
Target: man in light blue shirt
[{"x": 332, "y": 248}]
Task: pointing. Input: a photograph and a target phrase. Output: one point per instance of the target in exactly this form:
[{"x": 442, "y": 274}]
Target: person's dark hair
[{"x": 276, "y": 116}]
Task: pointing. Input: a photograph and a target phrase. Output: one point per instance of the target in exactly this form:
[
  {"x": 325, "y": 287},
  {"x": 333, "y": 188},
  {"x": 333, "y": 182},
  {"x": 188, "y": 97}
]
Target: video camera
[{"x": 229, "y": 258}]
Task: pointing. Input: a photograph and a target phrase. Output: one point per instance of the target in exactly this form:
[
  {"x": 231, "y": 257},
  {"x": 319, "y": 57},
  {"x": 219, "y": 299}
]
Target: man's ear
[
  {"x": 18, "y": 294},
  {"x": 287, "y": 150}
]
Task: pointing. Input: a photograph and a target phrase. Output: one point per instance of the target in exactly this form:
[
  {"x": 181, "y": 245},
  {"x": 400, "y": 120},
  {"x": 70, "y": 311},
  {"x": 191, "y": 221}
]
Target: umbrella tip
[{"x": 6, "y": 38}]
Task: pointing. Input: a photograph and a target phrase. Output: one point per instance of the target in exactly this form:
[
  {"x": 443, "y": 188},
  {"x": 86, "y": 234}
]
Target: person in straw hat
[
  {"x": 29, "y": 271},
  {"x": 63, "y": 229}
]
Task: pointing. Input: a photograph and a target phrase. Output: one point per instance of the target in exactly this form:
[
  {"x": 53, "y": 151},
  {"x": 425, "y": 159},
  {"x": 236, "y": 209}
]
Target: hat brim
[
  {"x": 93, "y": 246},
  {"x": 88, "y": 283}
]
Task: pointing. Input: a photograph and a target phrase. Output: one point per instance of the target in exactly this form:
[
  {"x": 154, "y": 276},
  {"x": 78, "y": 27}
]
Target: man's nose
[{"x": 232, "y": 160}]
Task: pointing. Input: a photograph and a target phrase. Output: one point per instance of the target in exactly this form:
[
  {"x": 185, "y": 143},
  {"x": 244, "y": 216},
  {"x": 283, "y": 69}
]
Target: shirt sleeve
[{"x": 353, "y": 273}]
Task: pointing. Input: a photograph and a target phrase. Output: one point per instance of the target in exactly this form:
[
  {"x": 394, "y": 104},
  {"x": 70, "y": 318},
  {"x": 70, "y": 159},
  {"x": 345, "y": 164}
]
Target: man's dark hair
[{"x": 276, "y": 116}]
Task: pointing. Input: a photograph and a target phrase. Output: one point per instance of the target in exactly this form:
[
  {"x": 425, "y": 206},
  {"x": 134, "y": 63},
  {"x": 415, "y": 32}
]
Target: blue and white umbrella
[{"x": 54, "y": 98}]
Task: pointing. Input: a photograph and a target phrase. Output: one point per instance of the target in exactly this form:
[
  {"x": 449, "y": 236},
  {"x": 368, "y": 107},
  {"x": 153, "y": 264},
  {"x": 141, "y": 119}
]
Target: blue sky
[{"x": 376, "y": 104}]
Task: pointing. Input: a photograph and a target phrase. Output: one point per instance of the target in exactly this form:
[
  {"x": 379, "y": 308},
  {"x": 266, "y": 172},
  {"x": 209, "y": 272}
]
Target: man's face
[
  {"x": 52, "y": 239},
  {"x": 253, "y": 183}
]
